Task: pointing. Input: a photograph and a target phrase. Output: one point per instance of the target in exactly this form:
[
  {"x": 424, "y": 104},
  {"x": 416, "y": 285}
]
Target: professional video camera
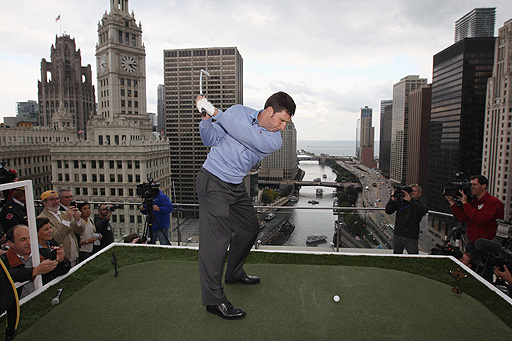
[
  {"x": 398, "y": 193},
  {"x": 112, "y": 208},
  {"x": 6, "y": 175},
  {"x": 148, "y": 190},
  {"x": 498, "y": 251},
  {"x": 458, "y": 184}
]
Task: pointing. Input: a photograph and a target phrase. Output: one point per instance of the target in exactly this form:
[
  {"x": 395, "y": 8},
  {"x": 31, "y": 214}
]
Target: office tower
[
  {"x": 386, "y": 114},
  {"x": 27, "y": 113},
  {"x": 419, "y": 136},
  {"x": 358, "y": 139},
  {"x": 224, "y": 88},
  {"x": 282, "y": 164},
  {"x": 400, "y": 125},
  {"x": 367, "y": 133},
  {"x": 459, "y": 85},
  {"x": 161, "y": 109},
  {"x": 497, "y": 160},
  {"x": 478, "y": 23},
  {"x": 64, "y": 82}
]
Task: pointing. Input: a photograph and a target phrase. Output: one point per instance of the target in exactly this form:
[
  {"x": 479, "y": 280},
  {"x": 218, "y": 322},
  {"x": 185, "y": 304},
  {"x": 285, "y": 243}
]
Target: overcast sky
[{"x": 332, "y": 57}]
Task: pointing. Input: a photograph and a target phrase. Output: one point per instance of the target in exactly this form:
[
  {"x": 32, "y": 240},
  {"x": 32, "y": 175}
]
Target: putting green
[{"x": 160, "y": 300}]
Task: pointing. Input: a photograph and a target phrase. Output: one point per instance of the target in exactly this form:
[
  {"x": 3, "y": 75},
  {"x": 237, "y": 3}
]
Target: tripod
[
  {"x": 148, "y": 226},
  {"x": 461, "y": 239}
]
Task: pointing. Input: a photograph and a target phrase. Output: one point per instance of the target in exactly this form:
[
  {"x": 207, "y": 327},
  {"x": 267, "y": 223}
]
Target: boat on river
[
  {"x": 315, "y": 239},
  {"x": 319, "y": 191},
  {"x": 294, "y": 198},
  {"x": 270, "y": 216},
  {"x": 279, "y": 234}
]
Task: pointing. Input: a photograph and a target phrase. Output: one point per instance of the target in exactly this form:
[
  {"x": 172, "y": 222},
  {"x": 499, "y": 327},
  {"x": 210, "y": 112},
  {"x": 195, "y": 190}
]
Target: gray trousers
[
  {"x": 410, "y": 244},
  {"x": 226, "y": 217}
]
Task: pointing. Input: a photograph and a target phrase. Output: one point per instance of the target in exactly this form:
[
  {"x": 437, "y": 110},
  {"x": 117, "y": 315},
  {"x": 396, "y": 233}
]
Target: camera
[
  {"x": 112, "y": 208},
  {"x": 453, "y": 188},
  {"x": 496, "y": 252},
  {"x": 448, "y": 250},
  {"x": 148, "y": 190},
  {"x": 53, "y": 254},
  {"x": 398, "y": 193}
]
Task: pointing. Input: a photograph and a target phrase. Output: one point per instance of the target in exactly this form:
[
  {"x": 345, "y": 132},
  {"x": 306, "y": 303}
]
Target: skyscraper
[
  {"x": 478, "y": 23},
  {"x": 65, "y": 82},
  {"x": 497, "y": 160},
  {"x": 459, "y": 86},
  {"x": 224, "y": 88},
  {"x": 400, "y": 125},
  {"x": 161, "y": 109},
  {"x": 386, "y": 114},
  {"x": 367, "y": 133},
  {"x": 419, "y": 136}
]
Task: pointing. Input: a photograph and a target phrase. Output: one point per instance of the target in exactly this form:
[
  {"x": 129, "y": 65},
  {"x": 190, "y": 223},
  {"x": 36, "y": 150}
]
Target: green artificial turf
[{"x": 158, "y": 293}]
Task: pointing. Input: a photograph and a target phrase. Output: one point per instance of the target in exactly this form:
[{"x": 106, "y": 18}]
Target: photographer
[
  {"x": 162, "y": 208},
  {"x": 102, "y": 223},
  {"x": 480, "y": 214},
  {"x": 409, "y": 212},
  {"x": 504, "y": 275}
]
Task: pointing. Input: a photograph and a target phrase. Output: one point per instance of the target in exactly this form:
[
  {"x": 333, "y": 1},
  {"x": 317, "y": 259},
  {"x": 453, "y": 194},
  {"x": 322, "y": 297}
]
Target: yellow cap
[{"x": 48, "y": 194}]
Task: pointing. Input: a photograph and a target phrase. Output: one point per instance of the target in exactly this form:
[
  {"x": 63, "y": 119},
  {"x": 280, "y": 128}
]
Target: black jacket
[
  {"x": 12, "y": 214},
  {"x": 408, "y": 216}
]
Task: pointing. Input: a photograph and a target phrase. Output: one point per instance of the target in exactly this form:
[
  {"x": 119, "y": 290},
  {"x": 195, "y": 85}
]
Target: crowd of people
[
  {"x": 480, "y": 214},
  {"x": 66, "y": 234}
]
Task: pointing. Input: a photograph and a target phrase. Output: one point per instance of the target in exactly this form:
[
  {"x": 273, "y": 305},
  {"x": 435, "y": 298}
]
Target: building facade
[
  {"x": 224, "y": 88},
  {"x": 161, "y": 109},
  {"x": 419, "y": 136},
  {"x": 26, "y": 149},
  {"x": 459, "y": 87},
  {"x": 497, "y": 144},
  {"x": 478, "y": 23},
  {"x": 65, "y": 82},
  {"x": 282, "y": 164},
  {"x": 400, "y": 125},
  {"x": 386, "y": 115}
]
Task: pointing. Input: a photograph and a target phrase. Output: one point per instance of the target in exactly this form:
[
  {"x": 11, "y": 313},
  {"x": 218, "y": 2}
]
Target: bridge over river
[{"x": 309, "y": 183}]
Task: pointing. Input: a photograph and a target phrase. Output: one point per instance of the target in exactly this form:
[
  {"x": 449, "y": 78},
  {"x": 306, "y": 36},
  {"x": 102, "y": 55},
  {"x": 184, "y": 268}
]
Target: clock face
[
  {"x": 129, "y": 64},
  {"x": 103, "y": 64}
]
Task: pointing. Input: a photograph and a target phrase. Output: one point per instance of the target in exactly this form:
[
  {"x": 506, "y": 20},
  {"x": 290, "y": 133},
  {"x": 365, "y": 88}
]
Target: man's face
[
  {"x": 102, "y": 212},
  {"x": 52, "y": 203},
  {"x": 65, "y": 198},
  {"x": 274, "y": 121},
  {"x": 415, "y": 194},
  {"x": 19, "y": 195},
  {"x": 21, "y": 243},
  {"x": 476, "y": 188}
]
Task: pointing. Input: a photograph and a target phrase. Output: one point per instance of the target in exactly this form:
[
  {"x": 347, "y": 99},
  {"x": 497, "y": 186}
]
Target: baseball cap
[{"x": 48, "y": 194}]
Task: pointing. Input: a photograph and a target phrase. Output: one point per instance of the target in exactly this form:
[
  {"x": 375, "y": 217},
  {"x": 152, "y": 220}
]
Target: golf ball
[{"x": 336, "y": 298}]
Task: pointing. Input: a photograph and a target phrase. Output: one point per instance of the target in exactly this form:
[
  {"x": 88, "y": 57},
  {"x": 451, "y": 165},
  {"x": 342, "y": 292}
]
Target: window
[
  {"x": 94, "y": 191},
  {"x": 102, "y": 177},
  {"x": 137, "y": 165},
  {"x": 111, "y": 164},
  {"x": 102, "y": 192},
  {"x": 77, "y": 191},
  {"x": 119, "y": 177},
  {"x": 121, "y": 218},
  {"x": 130, "y": 192},
  {"x": 75, "y": 164},
  {"x": 84, "y": 177},
  {"x": 59, "y": 163},
  {"x": 84, "y": 190},
  {"x": 113, "y": 192},
  {"x": 120, "y": 192},
  {"x": 101, "y": 163},
  {"x": 130, "y": 178},
  {"x": 93, "y": 164},
  {"x": 129, "y": 165},
  {"x": 112, "y": 178},
  {"x": 94, "y": 178}
]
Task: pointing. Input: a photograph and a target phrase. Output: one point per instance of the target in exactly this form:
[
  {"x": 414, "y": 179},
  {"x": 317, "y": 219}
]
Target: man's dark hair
[
  {"x": 482, "y": 180},
  {"x": 10, "y": 233},
  {"x": 281, "y": 101}
]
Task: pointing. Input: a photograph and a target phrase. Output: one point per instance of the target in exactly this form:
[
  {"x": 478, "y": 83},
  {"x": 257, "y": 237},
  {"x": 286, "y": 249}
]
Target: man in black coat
[
  {"x": 14, "y": 211},
  {"x": 409, "y": 212}
]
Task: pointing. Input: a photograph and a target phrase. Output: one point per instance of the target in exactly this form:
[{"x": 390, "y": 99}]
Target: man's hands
[
  {"x": 407, "y": 196},
  {"x": 72, "y": 212},
  {"x": 44, "y": 267},
  {"x": 205, "y": 107},
  {"x": 504, "y": 275}
]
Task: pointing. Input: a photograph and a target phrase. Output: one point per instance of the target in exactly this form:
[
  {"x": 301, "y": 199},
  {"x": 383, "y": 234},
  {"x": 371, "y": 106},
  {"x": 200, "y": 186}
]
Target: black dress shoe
[
  {"x": 226, "y": 311},
  {"x": 247, "y": 280}
]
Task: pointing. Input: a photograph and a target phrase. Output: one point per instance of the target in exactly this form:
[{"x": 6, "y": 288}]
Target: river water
[{"x": 309, "y": 222}]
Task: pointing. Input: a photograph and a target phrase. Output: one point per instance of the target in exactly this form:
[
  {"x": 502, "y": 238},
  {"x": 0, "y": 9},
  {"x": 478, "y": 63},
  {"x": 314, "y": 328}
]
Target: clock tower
[{"x": 121, "y": 64}]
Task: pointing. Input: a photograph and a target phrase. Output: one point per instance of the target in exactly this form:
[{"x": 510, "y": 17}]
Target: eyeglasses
[
  {"x": 53, "y": 199},
  {"x": 66, "y": 196}
]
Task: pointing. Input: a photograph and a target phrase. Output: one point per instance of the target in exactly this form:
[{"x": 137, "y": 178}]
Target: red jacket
[{"x": 480, "y": 215}]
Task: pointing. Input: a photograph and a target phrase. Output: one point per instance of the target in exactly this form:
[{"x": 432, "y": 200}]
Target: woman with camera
[{"x": 89, "y": 236}]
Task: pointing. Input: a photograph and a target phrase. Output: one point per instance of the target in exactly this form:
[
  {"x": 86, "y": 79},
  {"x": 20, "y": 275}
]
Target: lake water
[{"x": 335, "y": 148}]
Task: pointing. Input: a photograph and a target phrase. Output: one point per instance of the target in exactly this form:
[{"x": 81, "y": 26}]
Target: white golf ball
[{"x": 336, "y": 298}]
